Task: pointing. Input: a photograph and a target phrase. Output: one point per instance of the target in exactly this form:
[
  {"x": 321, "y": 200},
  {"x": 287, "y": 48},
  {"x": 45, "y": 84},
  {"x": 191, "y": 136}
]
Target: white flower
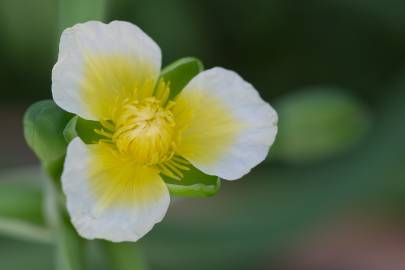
[{"x": 109, "y": 73}]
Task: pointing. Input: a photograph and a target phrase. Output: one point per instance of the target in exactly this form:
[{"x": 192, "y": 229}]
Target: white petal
[
  {"x": 230, "y": 128},
  {"x": 111, "y": 212},
  {"x": 84, "y": 76}
]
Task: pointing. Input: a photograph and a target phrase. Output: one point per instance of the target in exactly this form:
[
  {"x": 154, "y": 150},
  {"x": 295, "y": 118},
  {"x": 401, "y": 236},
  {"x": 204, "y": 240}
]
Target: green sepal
[
  {"x": 194, "y": 184},
  {"x": 84, "y": 129},
  {"x": 44, "y": 123},
  {"x": 180, "y": 72}
]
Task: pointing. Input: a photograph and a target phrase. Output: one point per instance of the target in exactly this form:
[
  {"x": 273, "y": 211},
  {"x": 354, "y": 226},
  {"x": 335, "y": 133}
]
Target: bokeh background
[{"x": 331, "y": 194}]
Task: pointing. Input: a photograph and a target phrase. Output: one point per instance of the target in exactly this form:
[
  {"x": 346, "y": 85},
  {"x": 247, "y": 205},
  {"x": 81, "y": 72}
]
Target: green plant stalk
[{"x": 69, "y": 246}]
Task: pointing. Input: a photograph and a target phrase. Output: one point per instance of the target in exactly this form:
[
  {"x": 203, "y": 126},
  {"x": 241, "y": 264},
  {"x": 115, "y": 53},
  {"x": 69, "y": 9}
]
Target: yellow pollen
[{"x": 145, "y": 131}]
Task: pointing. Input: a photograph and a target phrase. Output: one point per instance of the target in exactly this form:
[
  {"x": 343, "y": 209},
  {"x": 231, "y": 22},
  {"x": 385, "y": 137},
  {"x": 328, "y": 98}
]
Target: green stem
[
  {"x": 69, "y": 246},
  {"x": 124, "y": 256}
]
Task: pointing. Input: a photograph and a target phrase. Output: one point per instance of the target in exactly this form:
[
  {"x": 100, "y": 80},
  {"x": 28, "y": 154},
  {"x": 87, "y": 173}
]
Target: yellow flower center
[{"x": 145, "y": 130}]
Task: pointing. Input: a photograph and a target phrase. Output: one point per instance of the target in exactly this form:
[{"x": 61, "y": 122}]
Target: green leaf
[
  {"x": 44, "y": 123},
  {"x": 194, "y": 184},
  {"x": 180, "y": 72},
  {"x": 79, "y": 127},
  {"x": 72, "y": 12}
]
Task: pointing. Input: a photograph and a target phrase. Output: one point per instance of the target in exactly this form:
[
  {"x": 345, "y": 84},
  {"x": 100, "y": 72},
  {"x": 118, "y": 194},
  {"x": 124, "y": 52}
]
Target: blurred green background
[{"x": 332, "y": 193}]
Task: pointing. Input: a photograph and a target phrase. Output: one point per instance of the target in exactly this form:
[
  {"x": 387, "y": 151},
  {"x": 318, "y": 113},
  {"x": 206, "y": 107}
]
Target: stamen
[
  {"x": 146, "y": 131},
  {"x": 164, "y": 170},
  {"x": 162, "y": 92},
  {"x": 172, "y": 168},
  {"x": 107, "y": 141},
  {"x": 104, "y": 133},
  {"x": 180, "y": 166},
  {"x": 143, "y": 129},
  {"x": 179, "y": 159},
  {"x": 107, "y": 124}
]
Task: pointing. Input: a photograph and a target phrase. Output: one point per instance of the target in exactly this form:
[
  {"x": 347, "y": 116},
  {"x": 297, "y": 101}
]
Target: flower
[{"x": 110, "y": 73}]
